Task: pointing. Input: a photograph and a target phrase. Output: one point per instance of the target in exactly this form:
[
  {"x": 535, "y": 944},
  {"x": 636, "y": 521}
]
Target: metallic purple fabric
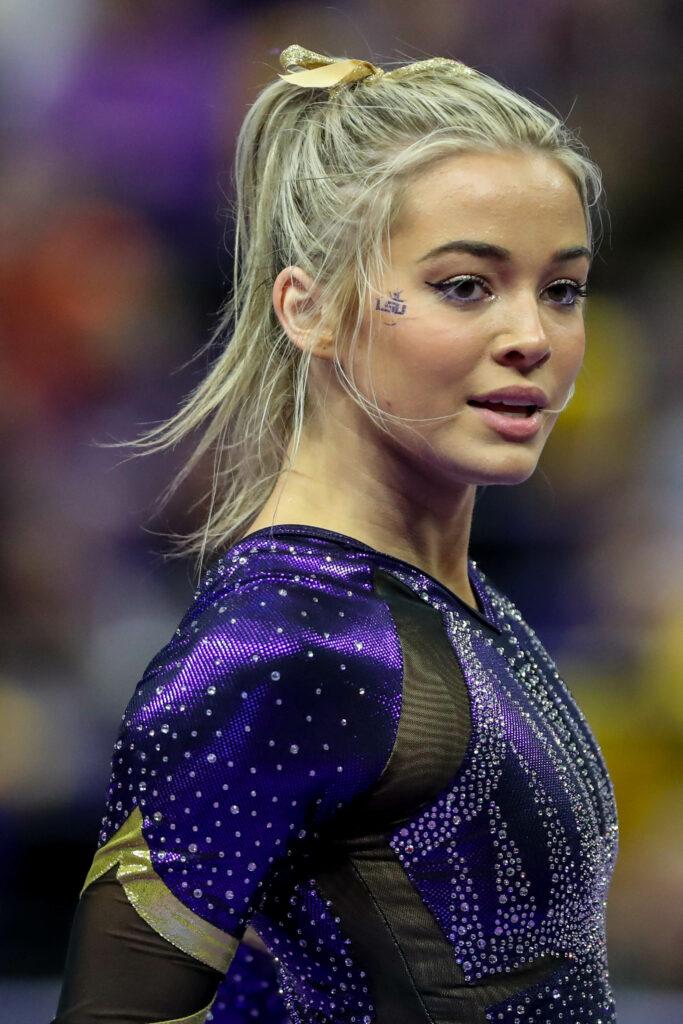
[{"x": 278, "y": 700}]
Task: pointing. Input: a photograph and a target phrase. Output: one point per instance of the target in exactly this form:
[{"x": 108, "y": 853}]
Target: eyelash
[{"x": 444, "y": 287}]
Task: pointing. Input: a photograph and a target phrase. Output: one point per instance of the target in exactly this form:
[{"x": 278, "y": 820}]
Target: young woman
[{"x": 354, "y": 753}]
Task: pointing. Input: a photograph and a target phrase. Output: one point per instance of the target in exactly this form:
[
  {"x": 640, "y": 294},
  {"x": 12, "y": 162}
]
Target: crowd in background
[{"x": 119, "y": 122}]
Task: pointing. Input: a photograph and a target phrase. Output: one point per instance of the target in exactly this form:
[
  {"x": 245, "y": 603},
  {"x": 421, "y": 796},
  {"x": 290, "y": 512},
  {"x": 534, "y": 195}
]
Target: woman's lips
[{"x": 514, "y": 424}]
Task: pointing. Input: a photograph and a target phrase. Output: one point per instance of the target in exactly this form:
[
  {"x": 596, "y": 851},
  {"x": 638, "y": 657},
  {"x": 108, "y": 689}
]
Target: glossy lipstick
[
  {"x": 518, "y": 425},
  {"x": 511, "y": 426}
]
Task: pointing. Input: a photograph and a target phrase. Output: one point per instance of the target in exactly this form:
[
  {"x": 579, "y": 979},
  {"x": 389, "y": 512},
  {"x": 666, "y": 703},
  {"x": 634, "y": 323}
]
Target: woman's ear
[{"x": 294, "y": 300}]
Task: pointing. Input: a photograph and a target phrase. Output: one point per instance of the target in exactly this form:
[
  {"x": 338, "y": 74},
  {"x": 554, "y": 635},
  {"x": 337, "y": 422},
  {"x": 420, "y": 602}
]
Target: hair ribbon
[{"x": 321, "y": 72}]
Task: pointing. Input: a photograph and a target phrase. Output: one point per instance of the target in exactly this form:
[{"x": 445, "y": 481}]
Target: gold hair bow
[{"x": 322, "y": 72}]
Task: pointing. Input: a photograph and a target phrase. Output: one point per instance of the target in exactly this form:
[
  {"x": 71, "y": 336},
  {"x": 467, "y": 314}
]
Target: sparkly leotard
[{"x": 395, "y": 790}]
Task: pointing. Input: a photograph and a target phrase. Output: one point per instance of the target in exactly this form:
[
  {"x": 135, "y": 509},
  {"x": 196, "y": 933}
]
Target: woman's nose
[{"x": 522, "y": 335}]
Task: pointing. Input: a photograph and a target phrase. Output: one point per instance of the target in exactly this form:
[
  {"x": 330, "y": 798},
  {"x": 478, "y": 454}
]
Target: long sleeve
[
  {"x": 119, "y": 969},
  {"x": 247, "y": 731}
]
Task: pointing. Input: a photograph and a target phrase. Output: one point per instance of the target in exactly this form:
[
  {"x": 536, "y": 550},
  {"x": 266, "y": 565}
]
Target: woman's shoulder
[
  {"x": 283, "y": 660},
  {"x": 277, "y": 620},
  {"x": 266, "y": 594},
  {"x": 306, "y": 558}
]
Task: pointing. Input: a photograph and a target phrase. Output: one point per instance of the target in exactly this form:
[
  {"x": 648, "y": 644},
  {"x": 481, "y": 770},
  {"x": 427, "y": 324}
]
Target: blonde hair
[{"x": 311, "y": 167}]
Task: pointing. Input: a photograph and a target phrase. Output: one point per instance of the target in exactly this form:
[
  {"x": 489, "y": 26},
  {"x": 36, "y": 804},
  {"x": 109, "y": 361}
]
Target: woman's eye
[
  {"x": 460, "y": 289},
  {"x": 463, "y": 290},
  {"x": 578, "y": 291}
]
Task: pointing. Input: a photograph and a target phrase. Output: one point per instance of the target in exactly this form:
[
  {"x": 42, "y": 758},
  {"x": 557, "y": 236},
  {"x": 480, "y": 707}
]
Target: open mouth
[{"x": 509, "y": 410}]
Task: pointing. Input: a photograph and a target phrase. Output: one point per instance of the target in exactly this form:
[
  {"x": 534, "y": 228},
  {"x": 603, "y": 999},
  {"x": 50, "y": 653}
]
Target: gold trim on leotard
[{"x": 155, "y": 902}]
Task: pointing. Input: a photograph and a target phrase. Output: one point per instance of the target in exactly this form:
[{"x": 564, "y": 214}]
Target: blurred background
[{"x": 118, "y": 122}]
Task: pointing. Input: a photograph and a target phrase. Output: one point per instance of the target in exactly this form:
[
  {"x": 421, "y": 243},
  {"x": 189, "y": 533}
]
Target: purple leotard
[{"x": 397, "y": 791}]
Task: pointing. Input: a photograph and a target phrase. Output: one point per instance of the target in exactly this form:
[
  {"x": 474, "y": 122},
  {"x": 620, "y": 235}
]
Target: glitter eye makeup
[{"x": 447, "y": 289}]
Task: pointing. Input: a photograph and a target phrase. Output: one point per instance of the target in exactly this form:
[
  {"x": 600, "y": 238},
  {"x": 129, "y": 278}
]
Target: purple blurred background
[{"x": 118, "y": 123}]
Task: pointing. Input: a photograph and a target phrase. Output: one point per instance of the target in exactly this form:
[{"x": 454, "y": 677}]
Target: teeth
[
  {"x": 508, "y": 401},
  {"x": 508, "y": 408}
]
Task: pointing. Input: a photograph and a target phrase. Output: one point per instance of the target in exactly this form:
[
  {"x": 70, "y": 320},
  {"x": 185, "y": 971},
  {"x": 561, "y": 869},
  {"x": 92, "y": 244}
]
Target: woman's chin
[{"x": 511, "y": 467}]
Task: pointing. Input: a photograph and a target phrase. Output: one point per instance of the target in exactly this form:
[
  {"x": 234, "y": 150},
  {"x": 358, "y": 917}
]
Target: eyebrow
[{"x": 497, "y": 252}]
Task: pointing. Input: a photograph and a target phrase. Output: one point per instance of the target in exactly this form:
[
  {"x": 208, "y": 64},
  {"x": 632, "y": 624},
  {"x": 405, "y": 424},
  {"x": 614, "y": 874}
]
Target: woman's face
[{"x": 451, "y": 324}]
